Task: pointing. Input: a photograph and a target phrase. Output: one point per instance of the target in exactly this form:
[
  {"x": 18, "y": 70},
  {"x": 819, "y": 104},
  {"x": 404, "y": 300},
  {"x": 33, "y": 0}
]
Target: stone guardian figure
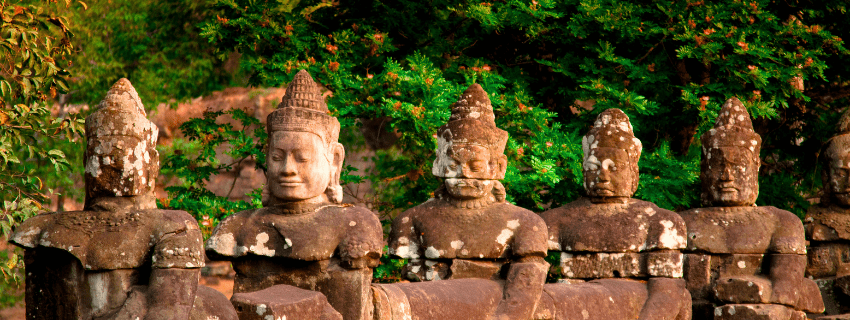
[
  {"x": 743, "y": 261},
  {"x": 611, "y": 236},
  {"x": 303, "y": 237},
  {"x": 120, "y": 258},
  {"x": 488, "y": 252},
  {"x": 828, "y": 225}
]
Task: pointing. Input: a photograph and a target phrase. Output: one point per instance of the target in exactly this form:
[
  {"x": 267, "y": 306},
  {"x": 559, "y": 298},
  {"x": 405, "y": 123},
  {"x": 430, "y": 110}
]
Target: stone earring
[{"x": 334, "y": 193}]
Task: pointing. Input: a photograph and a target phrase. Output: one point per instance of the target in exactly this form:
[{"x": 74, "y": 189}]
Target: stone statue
[
  {"x": 828, "y": 225},
  {"x": 743, "y": 261},
  {"x": 489, "y": 251},
  {"x": 303, "y": 237},
  {"x": 609, "y": 235},
  {"x": 120, "y": 258}
]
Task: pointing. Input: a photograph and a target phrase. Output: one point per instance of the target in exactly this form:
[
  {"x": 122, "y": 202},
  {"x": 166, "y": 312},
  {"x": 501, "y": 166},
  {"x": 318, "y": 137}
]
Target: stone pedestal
[{"x": 283, "y": 302}]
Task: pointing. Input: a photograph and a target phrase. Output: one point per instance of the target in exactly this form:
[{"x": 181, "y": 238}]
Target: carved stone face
[
  {"x": 839, "y": 179},
  {"x": 469, "y": 169},
  {"x": 298, "y": 166},
  {"x": 731, "y": 178},
  {"x": 607, "y": 173}
]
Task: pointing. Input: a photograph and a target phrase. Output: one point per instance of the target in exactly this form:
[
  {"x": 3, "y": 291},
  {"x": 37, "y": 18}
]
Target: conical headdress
[
  {"x": 121, "y": 157},
  {"x": 303, "y": 109},
  {"x": 612, "y": 129},
  {"x": 121, "y": 113},
  {"x": 473, "y": 122},
  {"x": 733, "y": 128}
]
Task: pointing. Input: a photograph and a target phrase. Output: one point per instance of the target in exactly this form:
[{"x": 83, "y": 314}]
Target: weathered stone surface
[
  {"x": 121, "y": 258},
  {"x": 303, "y": 236},
  {"x": 599, "y": 299},
  {"x": 283, "y": 302},
  {"x": 608, "y": 234},
  {"x": 757, "y": 312},
  {"x": 121, "y": 157},
  {"x": 666, "y": 263},
  {"x": 453, "y": 299},
  {"x": 468, "y": 230},
  {"x": 738, "y": 252}
]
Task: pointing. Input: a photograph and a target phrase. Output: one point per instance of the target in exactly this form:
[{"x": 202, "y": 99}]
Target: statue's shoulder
[
  {"x": 568, "y": 211},
  {"x": 789, "y": 235},
  {"x": 171, "y": 221},
  {"x": 223, "y": 244},
  {"x": 28, "y": 233},
  {"x": 656, "y": 213}
]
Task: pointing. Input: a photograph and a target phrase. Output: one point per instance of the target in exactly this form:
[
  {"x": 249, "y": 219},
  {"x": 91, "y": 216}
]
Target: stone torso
[
  {"x": 332, "y": 230},
  {"x": 269, "y": 246},
  {"x": 436, "y": 236},
  {"x": 582, "y": 226},
  {"x": 89, "y": 262},
  {"x": 744, "y": 230}
]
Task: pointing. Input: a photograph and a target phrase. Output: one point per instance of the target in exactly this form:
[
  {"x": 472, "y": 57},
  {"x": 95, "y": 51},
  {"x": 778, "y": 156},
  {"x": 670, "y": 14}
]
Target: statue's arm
[
  {"x": 171, "y": 293},
  {"x": 523, "y": 288},
  {"x": 787, "y": 257},
  {"x": 527, "y": 273}
]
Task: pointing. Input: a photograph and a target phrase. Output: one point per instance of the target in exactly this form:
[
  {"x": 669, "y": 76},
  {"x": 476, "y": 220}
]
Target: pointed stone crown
[
  {"x": 473, "y": 122},
  {"x": 733, "y": 128},
  {"x": 121, "y": 113},
  {"x": 612, "y": 129},
  {"x": 839, "y": 144},
  {"x": 303, "y": 109}
]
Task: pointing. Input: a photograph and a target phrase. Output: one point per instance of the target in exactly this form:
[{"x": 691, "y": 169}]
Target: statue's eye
[{"x": 477, "y": 166}]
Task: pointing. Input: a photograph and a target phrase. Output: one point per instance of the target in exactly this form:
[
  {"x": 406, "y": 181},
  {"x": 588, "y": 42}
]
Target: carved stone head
[
  {"x": 611, "y": 154},
  {"x": 121, "y": 157},
  {"x": 730, "y": 159},
  {"x": 470, "y": 148},
  {"x": 836, "y": 173},
  {"x": 304, "y": 158}
]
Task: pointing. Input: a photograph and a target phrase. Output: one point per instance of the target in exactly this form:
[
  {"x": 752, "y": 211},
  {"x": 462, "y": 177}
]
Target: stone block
[
  {"x": 467, "y": 299},
  {"x": 757, "y": 312},
  {"x": 283, "y": 302},
  {"x": 602, "y": 265},
  {"x": 464, "y": 268},
  {"x": 666, "y": 263},
  {"x": 745, "y": 289},
  {"x": 598, "y": 299}
]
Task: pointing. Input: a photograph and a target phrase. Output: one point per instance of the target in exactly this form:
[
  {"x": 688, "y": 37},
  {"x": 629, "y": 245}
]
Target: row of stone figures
[{"x": 305, "y": 255}]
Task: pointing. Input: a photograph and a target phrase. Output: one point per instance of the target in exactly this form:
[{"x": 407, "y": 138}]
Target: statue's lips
[
  {"x": 289, "y": 183},
  {"x": 603, "y": 191}
]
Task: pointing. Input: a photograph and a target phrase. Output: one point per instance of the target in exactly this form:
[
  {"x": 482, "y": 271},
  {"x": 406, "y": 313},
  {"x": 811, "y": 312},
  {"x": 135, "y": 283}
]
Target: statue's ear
[
  {"x": 501, "y": 167},
  {"x": 336, "y": 157}
]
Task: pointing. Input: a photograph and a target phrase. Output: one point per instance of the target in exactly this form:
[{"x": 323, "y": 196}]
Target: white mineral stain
[
  {"x": 554, "y": 245},
  {"x": 457, "y": 244},
  {"x": 504, "y": 236},
  {"x": 24, "y": 238},
  {"x": 97, "y": 281},
  {"x": 742, "y": 264},
  {"x": 223, "y": 243},
  {"x": 352, "y": 223},
  {"x": 649, "y": 211},
  {"x": 670, "y": 238},
  {"x": 261, "y": 309},
  {"x": 93, "y": 167},
  {"x": 443, "y": 162},
  {"x": 432, "y": 253},
  {"x": 513, "y": 224}
]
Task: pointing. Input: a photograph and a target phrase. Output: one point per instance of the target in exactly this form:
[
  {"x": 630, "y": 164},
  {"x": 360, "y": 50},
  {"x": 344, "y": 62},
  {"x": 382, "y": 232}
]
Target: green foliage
[
  {"x": 194, "y": 169},
  {"x": 668, "y": 64},
  {"x": 390, "y": 269},
  {"x": 154, "y": 44},
  {"x": 34, "y": 43}
]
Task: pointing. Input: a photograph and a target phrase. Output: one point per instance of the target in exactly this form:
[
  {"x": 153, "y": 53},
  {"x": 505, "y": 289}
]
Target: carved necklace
[
  {"x": 296, "y": 208},
  {"x": 89, "y": 222}
]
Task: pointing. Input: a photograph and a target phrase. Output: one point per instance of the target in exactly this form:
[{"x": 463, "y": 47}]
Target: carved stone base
[
  {"x": 757, "y": 312},
  {"x": 283, "y": 302}
]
